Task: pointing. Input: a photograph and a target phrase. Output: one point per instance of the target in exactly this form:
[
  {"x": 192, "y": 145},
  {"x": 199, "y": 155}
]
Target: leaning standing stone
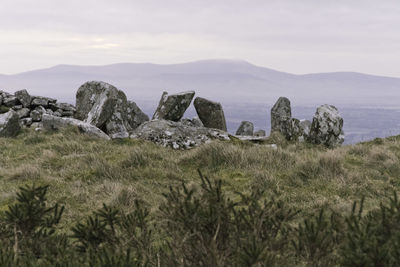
[
  {"x": 172, "y": 107},
  {"x": 245, "y": 128},
  {"x": 327, "y": 127},
  {"x": 9, "y": 124},
  {"x": 210, "y": 113}
]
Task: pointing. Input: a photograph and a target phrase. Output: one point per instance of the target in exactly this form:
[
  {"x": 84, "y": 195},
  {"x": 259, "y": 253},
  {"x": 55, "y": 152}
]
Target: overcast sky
[{"x": 298, "y": 36}]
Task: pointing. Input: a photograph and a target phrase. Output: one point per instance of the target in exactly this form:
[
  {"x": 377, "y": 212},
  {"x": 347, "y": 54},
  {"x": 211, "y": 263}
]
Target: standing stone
[
  {"x": 281, "y": 117},
  {"x": 9, "y": 124},
  {"x": 135, "y": 115},
  {"x": 104, "y": 106},
  {"x": 172, "y": 107},
  {"x": 327, "y": 127},
  {"x": 260, "y": 133},
  {"x": 210, "y": 113},
  {"x": 24, "y": 97},
  {"x": 245, "y": 128}
]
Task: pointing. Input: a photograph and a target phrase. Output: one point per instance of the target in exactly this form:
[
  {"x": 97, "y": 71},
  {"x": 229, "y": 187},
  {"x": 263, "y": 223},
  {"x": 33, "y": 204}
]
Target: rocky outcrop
[
  {"x": 327, "y": 127},
  {"x": 9, "y": 124},
  {"x": 172, "y": 107},
  {"x": 246, "y": 128},
  {"x": 210, "y": 113},
  {"x": 177, "y": 135},
  {"x": 107, "y": 108},
  {"x": 52, "y": 123},
  {"x": 24, "y": 98}
]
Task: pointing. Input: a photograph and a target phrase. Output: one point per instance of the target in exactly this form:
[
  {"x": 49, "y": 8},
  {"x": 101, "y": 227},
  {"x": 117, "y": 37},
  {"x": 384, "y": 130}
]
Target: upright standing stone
[
  {"x": 9, "y": 124},
  {"x": 24, "y": 97},
  {"x": 210, "y": 113},
  {"x": 281, "y": 117},
  {"x": 327, "y": 127},
  {"x": 245, "y": 128},
  {"x": 172, "y": 107}
]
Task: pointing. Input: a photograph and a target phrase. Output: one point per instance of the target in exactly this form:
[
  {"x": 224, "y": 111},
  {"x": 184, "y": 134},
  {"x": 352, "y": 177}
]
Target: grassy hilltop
[{"x": 83, "y": 173}]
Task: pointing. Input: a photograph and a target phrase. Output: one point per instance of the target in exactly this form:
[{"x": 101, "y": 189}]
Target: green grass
[{"x": 85, "y": 172}]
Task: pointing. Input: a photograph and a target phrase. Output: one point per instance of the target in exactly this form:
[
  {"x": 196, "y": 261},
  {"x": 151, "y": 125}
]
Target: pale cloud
[{"x": 290, "y": 35}]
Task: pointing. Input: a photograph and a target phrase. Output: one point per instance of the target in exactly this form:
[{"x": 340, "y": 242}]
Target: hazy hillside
[{"x": 245, "y": 90}]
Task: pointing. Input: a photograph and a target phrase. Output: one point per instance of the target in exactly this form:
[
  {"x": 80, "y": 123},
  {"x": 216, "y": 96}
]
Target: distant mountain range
[
  {"x": 246, "y": 91},
  {"x": 222, "y": 80}
]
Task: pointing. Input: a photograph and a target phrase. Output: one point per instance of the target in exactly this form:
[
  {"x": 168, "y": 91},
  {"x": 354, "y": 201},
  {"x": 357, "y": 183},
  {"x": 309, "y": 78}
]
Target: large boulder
[
  {"x": 246, "y": 128},
  {"x": 135, "y": 115},
  {"x": 9, "y": 124},
  {"x": 172, "y": 107},
  {"x": 52, "y": 123},
  {"x": 210, "y": 113},
  {"x": 177, "y": 135},
  {"x": 327, "y": 127},
  {"x": 24, "y": 98},
  {"x": 105, "y": 107}
]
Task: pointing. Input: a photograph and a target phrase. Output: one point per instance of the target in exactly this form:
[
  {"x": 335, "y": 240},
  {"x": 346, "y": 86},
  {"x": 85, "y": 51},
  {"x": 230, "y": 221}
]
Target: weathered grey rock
[
  {"x": 1, "y": 99},
  {"x": 25, "y": 122},
  {"x": 260, "y": 133},
  {"x": 57, "y": 113},
  {"x": 327, "y": 127},
  {"x": 37, "y": 126},
  {"x": 246, "y": 128},
  {"x": 9, "y": 124},
  {"x": 40, "y": 101},
  {"x": 65, "y": 107},
  {"x": 24, "y": 98},
  {"x": 103, "y": 106},
  {"x": 23, "y": 113},
  {"x": 281, "y": 117},
  {"x": 10, "y": 101},
  {"x": 195, "y": 122},
  {"x": 172, "y": 107},
  {"x": 17, "y": 107},
  {"x": 52, "y": 123},
  {"x": 177, "y": 135},
  {"x": 36, "y": 115},
  {"x": 210, "y": 113},
  {"x": 305, "y": 126},
  {"x": 135, "y": 115}
]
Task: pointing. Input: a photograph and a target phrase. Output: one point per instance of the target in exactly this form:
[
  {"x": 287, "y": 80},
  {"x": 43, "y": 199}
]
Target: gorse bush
[{"x": 199, "y": 225}]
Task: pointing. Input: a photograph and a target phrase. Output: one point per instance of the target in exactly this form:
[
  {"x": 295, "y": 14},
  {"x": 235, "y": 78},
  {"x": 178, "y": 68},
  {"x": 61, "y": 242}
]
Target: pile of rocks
[{"x": 25, "y": 110}]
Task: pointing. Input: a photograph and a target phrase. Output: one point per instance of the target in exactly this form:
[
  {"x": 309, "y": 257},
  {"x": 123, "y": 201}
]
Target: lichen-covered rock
[
  {"x": 42, "y": 101},
  {"x": 25, "y": 122},
  {"x": 9, "y": 124},
  {"x": 177, "y": 135},
  {"x": 327, "y": 127},
  {"x": 260, "y": 133},
  {"x": 246, "y": 128},
  {"x": 281, "y": 117},
  {"x": 135, "y": 115},
  {"x": 210, "y": 113},
  {"x": 305, "y": 126},
  {"x": 104, "y": 106},
  {"x": 195, "y": 122},
  {"x": 172, "y": 107},
  {"x": 10, "y": 101},
  {"x": 52, "y": 123},
  {"x": 23, "y": 113},
  {"x": 24, "y": 98},
  {"x": 36, "y": 115}
]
